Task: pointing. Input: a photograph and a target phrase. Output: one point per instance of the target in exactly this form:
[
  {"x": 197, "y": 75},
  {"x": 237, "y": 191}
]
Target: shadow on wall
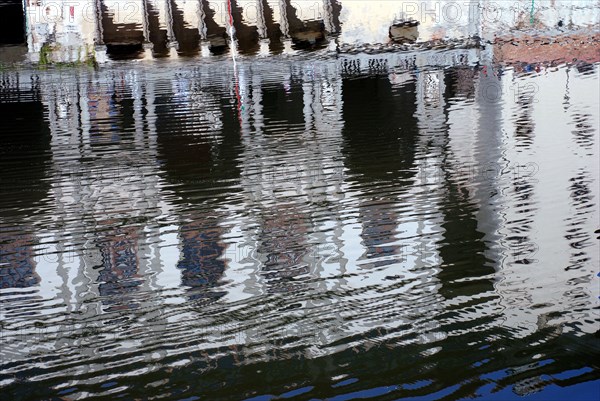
[
  {"x": 120, "y": 39},
  {"x": 127, "y": 40}
]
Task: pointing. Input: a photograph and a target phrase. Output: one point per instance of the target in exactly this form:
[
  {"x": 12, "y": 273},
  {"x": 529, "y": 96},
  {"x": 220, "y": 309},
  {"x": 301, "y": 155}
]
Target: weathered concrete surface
[{"x": 13, "y": 54}]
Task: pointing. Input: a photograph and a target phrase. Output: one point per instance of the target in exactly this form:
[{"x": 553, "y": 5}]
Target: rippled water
[{"x": 383, "y": 227}]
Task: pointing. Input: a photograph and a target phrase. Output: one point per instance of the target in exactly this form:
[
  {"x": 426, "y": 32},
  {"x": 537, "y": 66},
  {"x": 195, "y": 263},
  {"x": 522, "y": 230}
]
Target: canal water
[{"x": 419, "y": 226}]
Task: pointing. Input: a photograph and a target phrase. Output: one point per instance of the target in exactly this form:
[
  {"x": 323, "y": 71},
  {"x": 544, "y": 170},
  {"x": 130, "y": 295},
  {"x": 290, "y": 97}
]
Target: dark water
[{"x": 390, "y": 227}]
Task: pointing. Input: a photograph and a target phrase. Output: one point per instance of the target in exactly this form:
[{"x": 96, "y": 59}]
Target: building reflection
[
  {"x": 346, "y": 177},
  {"x": 106, "y": 193},
  {"x": 467, "y": 258},
  {"x": 283, "y": 227},
  {"x": 202, "y": 257},
  {"x": 284, "y": 247},
  {"x": 447, "y": 100},
  {"x": 18, "y": 266},
  {"x": 119, "y": 277},
  {"x": 333, "y": 9},
  {"x": 99, "y": 253},
  {"x": 24, "y": 186},
  {"x": 379, "y": 120},
  {"x": 24, "y": 146},
  {"x": 199, "y": 152}
]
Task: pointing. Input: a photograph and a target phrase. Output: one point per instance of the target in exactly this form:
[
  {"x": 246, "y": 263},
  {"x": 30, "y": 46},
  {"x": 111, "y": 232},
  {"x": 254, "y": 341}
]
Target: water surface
[{"x": 415, "y": 226}]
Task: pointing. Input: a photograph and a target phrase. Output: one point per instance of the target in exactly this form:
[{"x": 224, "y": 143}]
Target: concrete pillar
[
  {"x": 99, "y": 46},
  {"x": 261, "y": 24},
  {"x": 28, "y": 27},
  {"x": 147, "y": 45},
  {"x": 474, "y": 18},
  {"x": 260, "y": 20},
  {"x": 284, "y": 24},
  {"x": 327, "y": 16},
  {"x": 171, "y": 39},
  {"x": 202, "y": 29}
]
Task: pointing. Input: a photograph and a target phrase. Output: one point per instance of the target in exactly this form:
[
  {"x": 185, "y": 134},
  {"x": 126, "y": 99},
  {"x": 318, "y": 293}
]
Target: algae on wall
[
  {"x": 45, "y": 54},
  {"x": 53, "y": 53}
]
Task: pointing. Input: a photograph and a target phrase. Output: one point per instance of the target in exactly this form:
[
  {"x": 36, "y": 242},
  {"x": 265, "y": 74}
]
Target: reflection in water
[
  {"x": 17, "y": 256},
  {"x": 23, "y": 183},
  {"x": 578, "y": 238},
  {"x": 24, "y": 155},
  {"x": 201, "y": 260},
  {"x": 283, "y": 242},
  {"x": 210, "y": 134},
  {"x": 380, "y": 121},
  {"x": 119, "y": 275},
  {"x": 375, "y": 226}
]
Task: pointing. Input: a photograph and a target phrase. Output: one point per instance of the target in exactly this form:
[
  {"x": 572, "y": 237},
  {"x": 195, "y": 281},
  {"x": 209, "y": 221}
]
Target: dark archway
[{"x": 12, "y": 22}]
